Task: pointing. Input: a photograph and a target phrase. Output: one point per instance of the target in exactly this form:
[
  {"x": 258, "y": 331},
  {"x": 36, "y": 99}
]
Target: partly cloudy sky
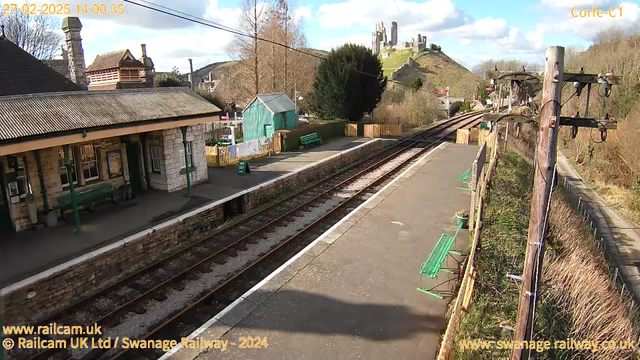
[{"x": 468, "y": 30}]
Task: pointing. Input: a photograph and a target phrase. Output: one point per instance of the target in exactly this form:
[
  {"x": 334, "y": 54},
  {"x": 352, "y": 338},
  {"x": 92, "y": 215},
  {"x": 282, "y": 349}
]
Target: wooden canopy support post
[
  {"x": 546, "y": 161},
  {"x": 74, "y": 202}
]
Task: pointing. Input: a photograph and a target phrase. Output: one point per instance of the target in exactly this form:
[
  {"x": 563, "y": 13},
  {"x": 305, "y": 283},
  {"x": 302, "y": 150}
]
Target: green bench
[
  {"x": 310, "y": 139},
  {"x": 433, "y": 266},
  {"x": 88, "y": 197},
  {"x": 465, "y": 177}
]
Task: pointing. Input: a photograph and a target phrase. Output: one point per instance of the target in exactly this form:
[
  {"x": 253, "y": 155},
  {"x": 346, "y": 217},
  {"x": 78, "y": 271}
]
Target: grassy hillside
[
  {"x": 611, "y": 167},
  {"x": 436, "y": 69}
]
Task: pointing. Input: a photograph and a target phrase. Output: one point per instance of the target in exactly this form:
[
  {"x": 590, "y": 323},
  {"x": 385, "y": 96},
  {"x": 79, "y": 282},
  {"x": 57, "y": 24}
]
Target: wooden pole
[{"x": 546, "y": 160}]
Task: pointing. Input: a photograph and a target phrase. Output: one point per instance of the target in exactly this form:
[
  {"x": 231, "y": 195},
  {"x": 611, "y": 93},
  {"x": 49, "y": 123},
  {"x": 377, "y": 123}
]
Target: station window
[
  {"x": 156, "y": 158},
  {"x": 189, "y": 155},
  {"x": 64, "y": 176},
  {"x": 89, "y": 162}
]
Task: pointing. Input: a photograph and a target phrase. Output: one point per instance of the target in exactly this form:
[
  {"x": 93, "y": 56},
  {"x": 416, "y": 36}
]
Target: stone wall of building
[
  {"x": 158, "y": 179},
  {"x": 172, "y": 144},
  {"x": 58, "y": 289}
]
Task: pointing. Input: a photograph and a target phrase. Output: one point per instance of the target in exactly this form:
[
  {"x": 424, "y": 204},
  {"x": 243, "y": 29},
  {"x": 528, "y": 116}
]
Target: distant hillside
[
  {"x": 316, "y": 52},
  {"x": 436, "y": 69}
]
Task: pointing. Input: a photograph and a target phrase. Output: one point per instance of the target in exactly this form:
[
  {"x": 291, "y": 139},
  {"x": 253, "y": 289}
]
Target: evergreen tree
[{"x": 348, "y": 84}]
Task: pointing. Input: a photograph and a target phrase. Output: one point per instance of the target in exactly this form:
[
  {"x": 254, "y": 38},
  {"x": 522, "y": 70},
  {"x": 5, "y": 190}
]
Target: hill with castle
[{"x": 405, "y": 60}]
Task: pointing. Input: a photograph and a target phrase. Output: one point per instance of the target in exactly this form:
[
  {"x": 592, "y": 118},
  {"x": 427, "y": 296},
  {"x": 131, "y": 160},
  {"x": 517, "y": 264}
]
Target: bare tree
[
  {"x": 271, "y": 65},
  {"x": 505, "y": 65},
  {"x": 246, "y": 50},
  {"x": 35, "y": 34}
]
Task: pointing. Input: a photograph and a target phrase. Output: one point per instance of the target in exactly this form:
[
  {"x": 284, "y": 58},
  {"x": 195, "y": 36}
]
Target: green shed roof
[{"x": 275, "y": 102}]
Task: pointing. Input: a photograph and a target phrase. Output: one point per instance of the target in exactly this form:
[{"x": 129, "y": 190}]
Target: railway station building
[{"x": 105, "y": 144}]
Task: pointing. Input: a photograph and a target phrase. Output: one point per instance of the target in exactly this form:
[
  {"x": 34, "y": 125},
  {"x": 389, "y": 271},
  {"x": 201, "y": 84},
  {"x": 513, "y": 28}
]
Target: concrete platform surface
[
  {"x": 32, "y": 251},
  {"x": 352, "y": 293}
]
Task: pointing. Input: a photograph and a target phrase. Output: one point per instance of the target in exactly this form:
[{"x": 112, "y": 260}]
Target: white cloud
[
  {"x": 303, "y": 12},
  {"x": 184, "y": 45},
  {"x": 587, "y": 27},
  {"x": 425, "y": 16},
  {"x": 487, "y": 28},
  {"x": 122, "y": 13},
  {"x": 358, "y": 39},
  {"x": 568, "y": 4}
]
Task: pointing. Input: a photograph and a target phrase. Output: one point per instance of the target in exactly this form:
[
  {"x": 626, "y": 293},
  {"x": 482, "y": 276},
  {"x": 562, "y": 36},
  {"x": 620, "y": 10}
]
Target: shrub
[{"x": 343, "y": 89}]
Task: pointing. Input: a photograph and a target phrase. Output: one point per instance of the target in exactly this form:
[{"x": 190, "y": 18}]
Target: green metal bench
[
  {"x": 465, "y": 177},
  {"x": 88, "y": 197},
  {"x": 310, "y": 139},
  {"x": 433, "y": 266}
]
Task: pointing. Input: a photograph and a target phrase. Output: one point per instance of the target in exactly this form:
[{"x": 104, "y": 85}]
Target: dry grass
[
  {"x": 581, "y": 276},
  {"x": 400, "y": 106},
  {"x": 583, "y": 303},
  {"x": 577, "y": 269},
  {"x": 612, "y": 167}
]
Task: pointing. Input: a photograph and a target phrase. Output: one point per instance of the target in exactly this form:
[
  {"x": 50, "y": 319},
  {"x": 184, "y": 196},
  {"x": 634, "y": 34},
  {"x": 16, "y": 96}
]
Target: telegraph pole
[{"x": 543, "y": 182}]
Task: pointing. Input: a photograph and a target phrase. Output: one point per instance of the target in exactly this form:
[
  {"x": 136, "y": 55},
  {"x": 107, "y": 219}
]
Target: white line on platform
[
  {"x": 256, "y": 287},
  {"x": 121, "y": 243}
]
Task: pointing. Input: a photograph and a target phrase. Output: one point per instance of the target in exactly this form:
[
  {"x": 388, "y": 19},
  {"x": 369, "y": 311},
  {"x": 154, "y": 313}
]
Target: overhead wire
[{"x": 188, "y": 17}]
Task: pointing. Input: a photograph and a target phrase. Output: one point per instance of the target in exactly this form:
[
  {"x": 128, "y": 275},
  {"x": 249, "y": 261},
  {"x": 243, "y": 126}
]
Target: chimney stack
[
  {"x": 72, "y": 27},
  {"x": 191, "y": 73},
  {"x": 148, "y": 74}
]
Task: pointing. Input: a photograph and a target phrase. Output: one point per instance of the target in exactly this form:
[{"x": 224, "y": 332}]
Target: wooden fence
[
  {"x": 477, "y": 173},
  {"x": 220, "y": 156},
  {"x": 351, "y": 130},
  {"x": 378, "y": 130},
  {"x": 463, "y": 300}
]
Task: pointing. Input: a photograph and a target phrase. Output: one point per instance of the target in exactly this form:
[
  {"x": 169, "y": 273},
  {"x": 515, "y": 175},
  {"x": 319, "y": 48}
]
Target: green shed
[{"x": 267, "y": 113}]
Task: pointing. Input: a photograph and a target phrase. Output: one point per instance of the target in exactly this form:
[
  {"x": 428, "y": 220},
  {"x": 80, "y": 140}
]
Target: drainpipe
[
  {"x": 74, "y": 202},
  {"x": 43, "y": 188},
  {"x": 186, "y": 158}
]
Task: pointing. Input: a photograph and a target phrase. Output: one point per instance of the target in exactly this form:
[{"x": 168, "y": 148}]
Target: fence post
[{"x": 474, "y": 186}]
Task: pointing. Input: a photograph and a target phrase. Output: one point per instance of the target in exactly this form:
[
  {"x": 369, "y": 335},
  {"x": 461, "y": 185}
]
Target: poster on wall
[
  {"x": 114, "y": 161},
  {"x": 13, "y": 189}
]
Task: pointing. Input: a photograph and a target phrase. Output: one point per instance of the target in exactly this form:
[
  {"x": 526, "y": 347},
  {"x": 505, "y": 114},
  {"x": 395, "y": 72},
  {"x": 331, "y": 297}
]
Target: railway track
[{"x": 173, "y": 296}]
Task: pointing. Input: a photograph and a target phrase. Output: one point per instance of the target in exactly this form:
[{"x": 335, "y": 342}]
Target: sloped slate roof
[
  {"x": 21, "y": 73},
  {"x": 276, "y": 102},
  {"x": 40, "y": 114},
  {"x": 113, "y": 60},
  {"x": 59, "y": 65}
]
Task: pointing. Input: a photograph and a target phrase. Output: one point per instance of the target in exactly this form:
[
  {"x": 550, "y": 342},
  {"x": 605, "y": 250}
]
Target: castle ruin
[{"x": 379, "y": 40}]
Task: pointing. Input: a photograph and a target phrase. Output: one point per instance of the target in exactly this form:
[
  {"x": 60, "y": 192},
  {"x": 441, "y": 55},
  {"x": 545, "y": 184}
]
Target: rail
[{"x": 403, "y": 145}]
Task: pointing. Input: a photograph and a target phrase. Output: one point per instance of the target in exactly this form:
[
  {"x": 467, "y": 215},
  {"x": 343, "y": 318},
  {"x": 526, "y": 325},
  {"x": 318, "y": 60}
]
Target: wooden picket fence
[
  {"x": 378, "y": 130},
  {"x": 488, "y": 149}
]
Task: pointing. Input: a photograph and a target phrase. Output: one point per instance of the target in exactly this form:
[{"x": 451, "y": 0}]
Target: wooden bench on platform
[
  {"x": 310, "y": 139},
  {"x": 88, "y": 197}
]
